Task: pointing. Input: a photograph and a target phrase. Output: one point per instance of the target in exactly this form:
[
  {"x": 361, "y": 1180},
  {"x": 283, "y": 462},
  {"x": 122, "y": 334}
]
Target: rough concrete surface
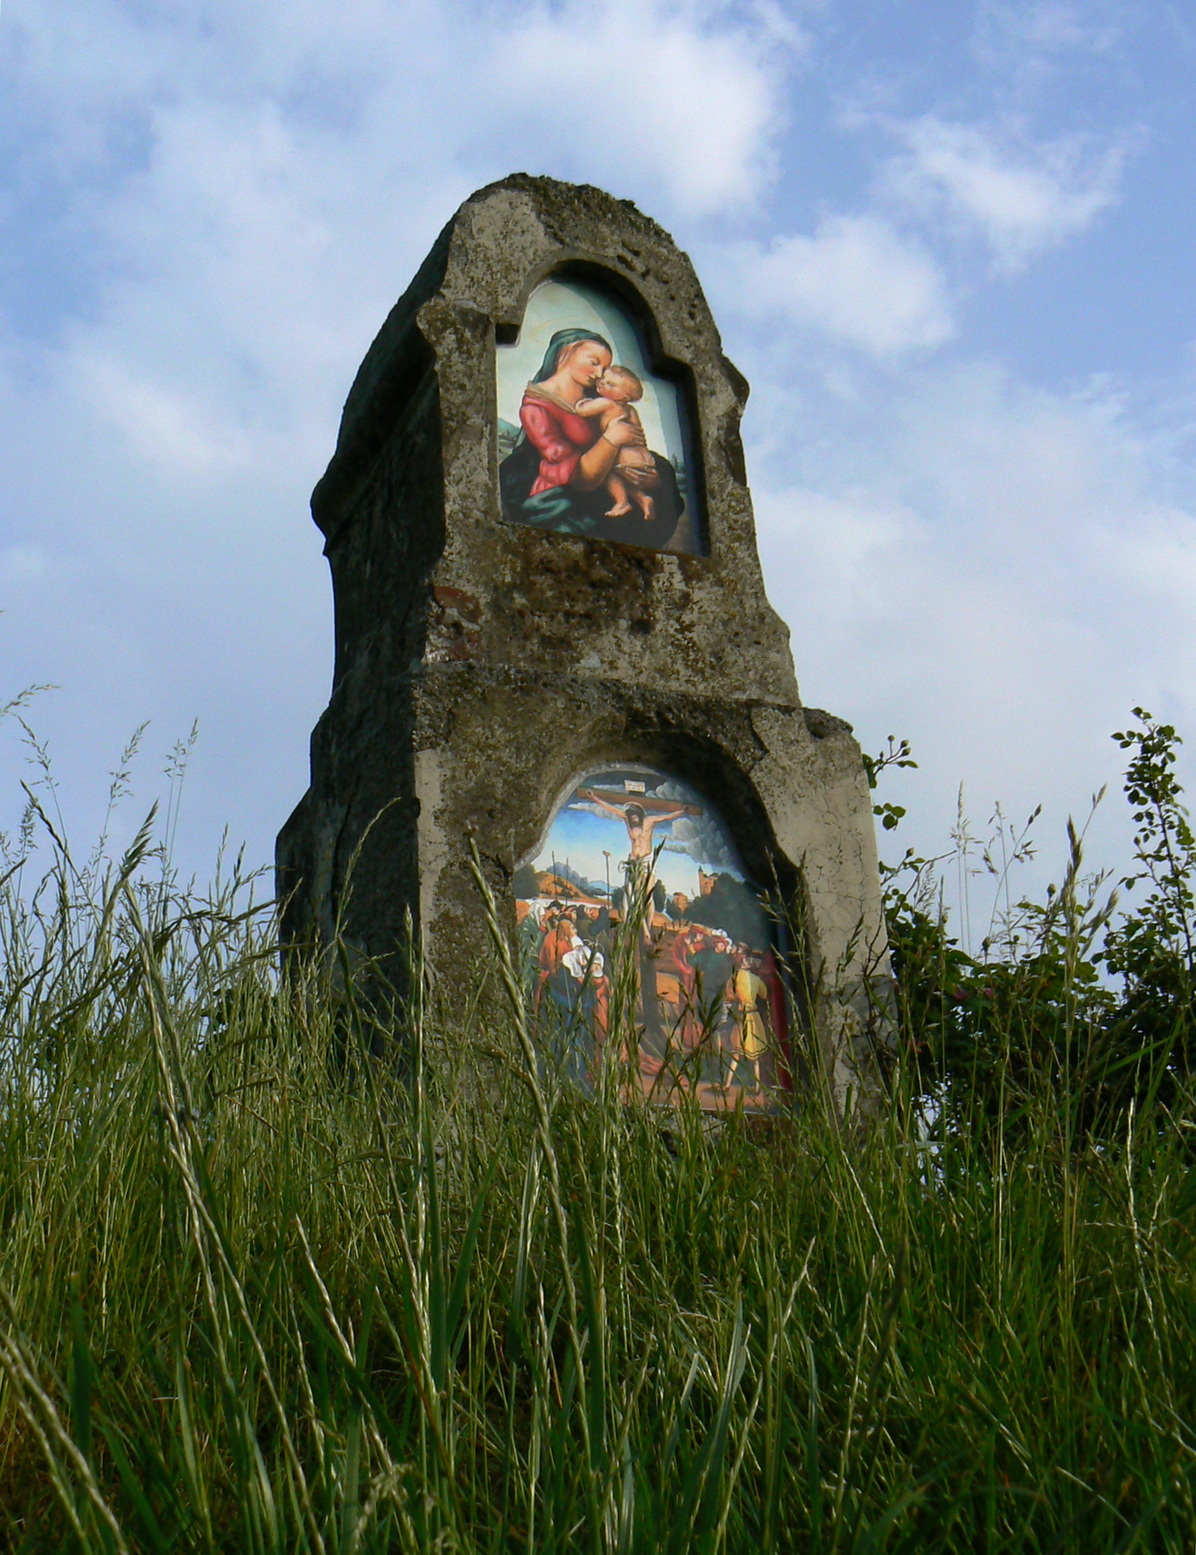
[{"x": 481, "y": 666}]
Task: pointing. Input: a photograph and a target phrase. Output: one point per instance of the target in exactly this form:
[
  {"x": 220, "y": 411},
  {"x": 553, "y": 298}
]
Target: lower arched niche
[{"x": 644, "y": 945}]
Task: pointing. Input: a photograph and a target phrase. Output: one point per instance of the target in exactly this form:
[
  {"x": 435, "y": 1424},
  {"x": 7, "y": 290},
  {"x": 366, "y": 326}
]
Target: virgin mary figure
[{"x": 555, "y": 477}]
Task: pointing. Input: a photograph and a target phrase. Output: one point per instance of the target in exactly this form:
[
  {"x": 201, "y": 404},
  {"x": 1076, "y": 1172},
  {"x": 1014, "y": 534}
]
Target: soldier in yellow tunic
[{"x": 751, "y": 994}]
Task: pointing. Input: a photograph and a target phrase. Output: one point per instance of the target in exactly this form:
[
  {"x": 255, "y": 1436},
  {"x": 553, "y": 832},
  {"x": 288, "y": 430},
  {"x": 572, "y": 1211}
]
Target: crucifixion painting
[{"x": 639, "y": 871}]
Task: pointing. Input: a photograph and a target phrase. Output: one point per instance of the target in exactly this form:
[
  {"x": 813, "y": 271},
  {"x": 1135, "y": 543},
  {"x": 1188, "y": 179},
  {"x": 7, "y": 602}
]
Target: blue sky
[{"x": 948, "y": 243}]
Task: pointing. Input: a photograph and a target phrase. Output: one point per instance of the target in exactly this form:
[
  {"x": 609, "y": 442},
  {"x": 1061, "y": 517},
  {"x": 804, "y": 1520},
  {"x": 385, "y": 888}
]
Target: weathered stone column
[{"x": 495, "y": 642}]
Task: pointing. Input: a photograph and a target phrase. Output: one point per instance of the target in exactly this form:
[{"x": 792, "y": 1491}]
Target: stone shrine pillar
[{"x": 552, "y": 634}]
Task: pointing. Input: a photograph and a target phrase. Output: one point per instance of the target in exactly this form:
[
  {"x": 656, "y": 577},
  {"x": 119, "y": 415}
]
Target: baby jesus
[{"x": 617, "y": 388}]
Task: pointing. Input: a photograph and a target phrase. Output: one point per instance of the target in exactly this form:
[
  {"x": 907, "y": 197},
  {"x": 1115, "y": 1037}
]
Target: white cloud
[
  {"x": 22, "y": 564},
  {"x": 627, "y": 87},
  {"x": 1157, "y": 558},
  {"x": 267, "y": 184},
  {"x": 1015, "y": 31},
  {"x": 236, "y": 194},
  {"x": 244, "y": 190},
  {"x": 997, "y": 573},
  {"x": 172, "y": 430},
  {"x": 845, "y": 537},
  {"x": 857, "y": 278},
  {"x": 1023, "y": 198}
]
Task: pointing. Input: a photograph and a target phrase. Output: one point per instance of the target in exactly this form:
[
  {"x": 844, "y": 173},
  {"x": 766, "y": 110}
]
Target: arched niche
[
  {"x": 637, "y": 891},
  {"x": 579, "y": 370}
]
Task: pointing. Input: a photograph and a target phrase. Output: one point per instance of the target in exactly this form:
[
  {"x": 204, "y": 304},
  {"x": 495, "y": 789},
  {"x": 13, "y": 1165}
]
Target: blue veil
[{"x": 563, "y": 338}]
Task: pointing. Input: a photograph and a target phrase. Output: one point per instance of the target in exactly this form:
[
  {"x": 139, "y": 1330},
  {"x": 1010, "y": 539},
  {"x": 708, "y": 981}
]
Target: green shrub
[{"x": 1088, "y": 1008}]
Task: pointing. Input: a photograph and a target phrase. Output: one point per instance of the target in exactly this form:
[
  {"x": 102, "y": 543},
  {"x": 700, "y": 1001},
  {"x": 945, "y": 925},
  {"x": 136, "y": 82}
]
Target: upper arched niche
[{"x": 596, "y": 434}]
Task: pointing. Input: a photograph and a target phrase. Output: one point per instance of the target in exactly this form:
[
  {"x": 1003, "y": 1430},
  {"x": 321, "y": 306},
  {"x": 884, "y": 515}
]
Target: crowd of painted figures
[{"x": 708, "y": 1008}]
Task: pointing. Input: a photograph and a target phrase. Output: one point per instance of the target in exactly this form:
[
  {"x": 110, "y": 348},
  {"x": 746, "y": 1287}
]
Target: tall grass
[{"x": 262, "y": 1288}]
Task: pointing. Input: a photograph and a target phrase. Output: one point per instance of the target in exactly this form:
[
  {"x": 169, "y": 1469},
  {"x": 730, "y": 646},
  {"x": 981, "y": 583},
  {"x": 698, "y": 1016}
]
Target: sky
[{"x": 947, "y": 241}]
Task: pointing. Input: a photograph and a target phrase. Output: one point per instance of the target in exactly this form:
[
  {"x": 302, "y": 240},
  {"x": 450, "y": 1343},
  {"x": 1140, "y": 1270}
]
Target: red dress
[{"x": 559, "y": 437}]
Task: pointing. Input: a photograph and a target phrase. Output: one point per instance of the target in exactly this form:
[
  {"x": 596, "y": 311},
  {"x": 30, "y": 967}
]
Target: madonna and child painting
[
  {"x": 591, "y": 441},
  {"x": 637, "y": 894}
]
